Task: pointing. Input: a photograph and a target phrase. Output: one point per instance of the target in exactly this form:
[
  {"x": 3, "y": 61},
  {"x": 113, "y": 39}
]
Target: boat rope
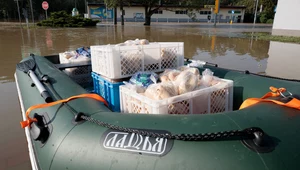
[{"x": 248, "y": 133}]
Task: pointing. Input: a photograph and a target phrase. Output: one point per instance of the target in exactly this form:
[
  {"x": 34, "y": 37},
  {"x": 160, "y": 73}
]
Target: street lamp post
[
  {"x": 19, "y": 12},
  {"x": 31, "y": 12},
  {"x": 255, "y": 11}
]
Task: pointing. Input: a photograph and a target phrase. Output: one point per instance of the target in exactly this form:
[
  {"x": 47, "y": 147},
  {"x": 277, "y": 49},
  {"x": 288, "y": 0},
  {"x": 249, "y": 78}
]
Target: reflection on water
[
  {"x": 284, "y": 60},
  {"x": 17, "y": 43},
  {"x": 234, "y": 53},
  {"x": 272, "y": 58},
  {"x": 213, "y": 46}
]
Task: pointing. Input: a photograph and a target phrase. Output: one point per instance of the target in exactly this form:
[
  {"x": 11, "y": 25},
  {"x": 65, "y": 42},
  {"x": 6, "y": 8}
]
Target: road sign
[
  {"x": 209, "y": 6},
  {"x": 45, "y": 5},
  {"x": 232, "y": 11}
]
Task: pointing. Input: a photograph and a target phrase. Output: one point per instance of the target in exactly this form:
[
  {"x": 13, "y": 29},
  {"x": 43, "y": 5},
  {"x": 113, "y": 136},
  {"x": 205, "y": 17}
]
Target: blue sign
[
  {"x": 100, "y": 12},
  {"x": 232, "y": 11},
  {"x": 138, "y": 15}
]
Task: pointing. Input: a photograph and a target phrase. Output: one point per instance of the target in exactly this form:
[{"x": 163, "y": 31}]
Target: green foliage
[
  {"x": 269, "y": 37},
  {"x": 263, "y": 18},
  {"x": 267, "y": 10},
  {"x": 63, "y": 19},
  {"x": 269, "y": 21}
]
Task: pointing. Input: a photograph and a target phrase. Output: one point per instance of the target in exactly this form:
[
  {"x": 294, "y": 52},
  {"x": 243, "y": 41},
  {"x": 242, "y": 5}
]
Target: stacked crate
[{"x": 112, "y": 64}]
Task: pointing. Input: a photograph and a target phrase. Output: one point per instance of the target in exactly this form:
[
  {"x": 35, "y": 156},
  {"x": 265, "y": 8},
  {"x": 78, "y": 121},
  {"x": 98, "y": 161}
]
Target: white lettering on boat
[{"x": 135, "y": 143}]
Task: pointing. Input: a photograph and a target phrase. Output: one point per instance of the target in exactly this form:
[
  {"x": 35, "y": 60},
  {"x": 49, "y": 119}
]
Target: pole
[
  {"x": 31, "y": 12},
  {"x": 46, "y": 14},
  {"x": 215, "y": 23},
  {"x": 255, "y": 12},
  {"x": 106, "y": 12},
  {"x": 85, "y": 9},
  {"x": 19, "y": 12}
]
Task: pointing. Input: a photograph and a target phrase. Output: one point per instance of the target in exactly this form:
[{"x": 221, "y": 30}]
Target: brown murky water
[{"x": 222, "y": 47}]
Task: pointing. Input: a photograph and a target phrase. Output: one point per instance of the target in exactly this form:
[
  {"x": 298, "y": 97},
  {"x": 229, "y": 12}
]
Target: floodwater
[{"x": 217, "y": 45}]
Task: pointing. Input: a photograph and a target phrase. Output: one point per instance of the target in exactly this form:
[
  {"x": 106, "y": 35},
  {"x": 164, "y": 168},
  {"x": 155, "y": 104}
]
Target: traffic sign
[
  {"x": 45, "y": 5},
  {"x": 232, "y": 11}
]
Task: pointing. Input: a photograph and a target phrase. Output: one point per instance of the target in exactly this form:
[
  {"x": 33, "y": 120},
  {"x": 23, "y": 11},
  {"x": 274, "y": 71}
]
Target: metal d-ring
[{"x": 290, "y": 94}]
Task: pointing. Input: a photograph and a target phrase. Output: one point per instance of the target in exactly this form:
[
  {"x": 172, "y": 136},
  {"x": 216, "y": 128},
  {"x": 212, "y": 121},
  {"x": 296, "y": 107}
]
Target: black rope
[{"x": 224, "y": 135}]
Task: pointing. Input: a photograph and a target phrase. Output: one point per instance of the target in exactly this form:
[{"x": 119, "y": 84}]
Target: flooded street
[{"x": 221, "y": 46}]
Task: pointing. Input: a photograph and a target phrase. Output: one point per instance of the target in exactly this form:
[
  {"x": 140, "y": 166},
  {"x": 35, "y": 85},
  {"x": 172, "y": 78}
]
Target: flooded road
[{"x": 220, "y": 46}]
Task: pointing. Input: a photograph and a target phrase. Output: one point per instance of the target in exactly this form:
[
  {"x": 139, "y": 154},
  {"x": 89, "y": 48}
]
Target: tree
[
  {"x": 152, "y": 6},
  {"x": 115, "y": 4},
  {"x": 268, "y": 8}
]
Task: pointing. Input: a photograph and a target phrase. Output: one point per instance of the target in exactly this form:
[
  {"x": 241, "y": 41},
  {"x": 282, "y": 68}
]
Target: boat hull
[{"x": 90, "y": 146}]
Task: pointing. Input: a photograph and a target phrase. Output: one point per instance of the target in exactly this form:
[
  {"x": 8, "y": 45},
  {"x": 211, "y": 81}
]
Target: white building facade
[
  {"x": 286, "y": 20},
  {"x": 170, "y": 14}
]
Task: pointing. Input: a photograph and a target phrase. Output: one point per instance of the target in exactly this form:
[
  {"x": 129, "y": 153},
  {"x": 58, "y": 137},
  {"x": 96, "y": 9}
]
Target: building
[
  {"x": 286, "y": 18},
  {"x": 136, "y": 13}
]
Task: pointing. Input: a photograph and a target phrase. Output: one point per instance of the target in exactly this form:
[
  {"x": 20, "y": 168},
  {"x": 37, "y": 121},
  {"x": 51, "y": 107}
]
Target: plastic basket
[
  {"x": 81, "y": 75},
  {"x": 214, "y": 99},
  {"x": 108, "y": 90},
  {"x": 115, "y": 61}
]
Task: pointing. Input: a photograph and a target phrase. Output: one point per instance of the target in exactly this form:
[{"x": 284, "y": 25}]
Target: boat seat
[{"x": 72, "y": 65}]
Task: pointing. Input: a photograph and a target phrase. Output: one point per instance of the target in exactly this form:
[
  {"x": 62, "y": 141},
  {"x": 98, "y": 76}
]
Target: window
[
  {"x": 205, "y": 12},
  {"x": 181, "y": 12},
  {"x": 235, "y": 12},
  {"x": 158, "y": 12}
]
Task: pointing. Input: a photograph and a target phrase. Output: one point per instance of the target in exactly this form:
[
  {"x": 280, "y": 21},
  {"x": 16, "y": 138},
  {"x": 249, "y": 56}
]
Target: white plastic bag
[
  {"x": 135, "y": 88},
  {"x": 186, "y": 81},
  {"x": 161, "y": 91},
  {"x": 207, "y": 77},
  {"x": 169, "y": 75}
]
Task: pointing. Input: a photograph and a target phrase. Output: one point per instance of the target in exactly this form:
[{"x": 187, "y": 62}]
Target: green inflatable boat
[{"x": 85, "y": 134}]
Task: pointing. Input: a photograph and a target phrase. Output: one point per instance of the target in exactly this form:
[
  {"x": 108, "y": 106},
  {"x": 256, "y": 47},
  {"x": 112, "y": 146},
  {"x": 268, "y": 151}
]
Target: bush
[
  {"x": 263, "y": 18},
  {"x": 269, "y": 21},
  {"x": 63, "y": 19}
]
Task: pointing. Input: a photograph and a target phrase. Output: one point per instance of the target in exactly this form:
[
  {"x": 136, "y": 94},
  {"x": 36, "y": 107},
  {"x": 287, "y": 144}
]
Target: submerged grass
[{"x": 269, "y": 37}]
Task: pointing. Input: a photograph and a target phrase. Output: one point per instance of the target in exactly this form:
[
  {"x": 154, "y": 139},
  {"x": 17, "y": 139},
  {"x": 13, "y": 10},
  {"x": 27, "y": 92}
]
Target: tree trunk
[
  {"x": 147, "y": 16},
  {"x": 115, "y": 16},
  {"x": 147, "y": 20}
]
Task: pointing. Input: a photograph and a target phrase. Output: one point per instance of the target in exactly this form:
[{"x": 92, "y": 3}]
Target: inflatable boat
[{"x": 67, "y": 127}]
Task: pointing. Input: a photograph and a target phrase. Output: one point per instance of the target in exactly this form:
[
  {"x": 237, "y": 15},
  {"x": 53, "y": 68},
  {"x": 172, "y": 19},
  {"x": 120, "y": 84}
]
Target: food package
[
  {"x": 135, "y": 88},
  {"x": 168, "y": 58},
  {"x": 144, "y": 78},
  {"x": 186, "y": 81},
  {"x": 190, "y": 69},
  {"x": 161, "y": 91},
  {"x": 169, "y": 75},
  {"x": 134, "y": 42},
  {"x": 208, "y": 78}
]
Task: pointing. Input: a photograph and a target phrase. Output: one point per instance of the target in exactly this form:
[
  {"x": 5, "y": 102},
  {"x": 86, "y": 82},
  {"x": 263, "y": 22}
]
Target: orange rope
[{"x": 30, "y": 120}]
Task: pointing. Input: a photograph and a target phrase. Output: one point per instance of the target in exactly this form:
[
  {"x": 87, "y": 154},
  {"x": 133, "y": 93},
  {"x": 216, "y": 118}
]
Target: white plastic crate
[
  {"x": 214, "y": 99},
  {"x": 80, "y": 75},
  {"x": 115, "y": 61}
]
